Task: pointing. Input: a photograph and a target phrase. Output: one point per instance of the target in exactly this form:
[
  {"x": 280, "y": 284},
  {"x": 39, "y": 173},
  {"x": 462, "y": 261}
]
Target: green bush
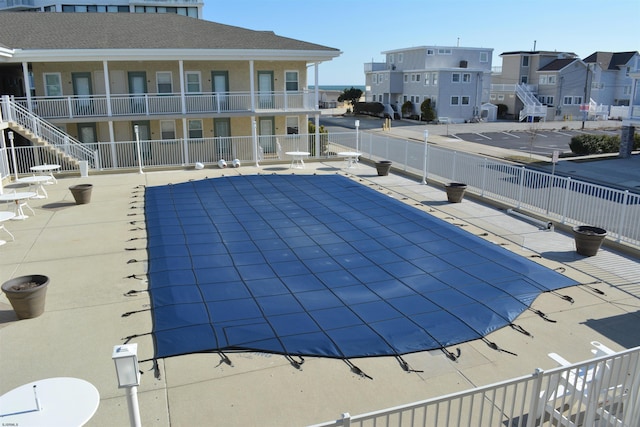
[
  {"x": 428, "y": 113},
  {"x": 599, "y": 144},
  {"x": 370, "y": 108}
]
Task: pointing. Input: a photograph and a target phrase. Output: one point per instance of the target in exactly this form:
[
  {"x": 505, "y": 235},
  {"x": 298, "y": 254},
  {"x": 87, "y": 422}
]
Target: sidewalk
[{"x": 91, "y": 251}]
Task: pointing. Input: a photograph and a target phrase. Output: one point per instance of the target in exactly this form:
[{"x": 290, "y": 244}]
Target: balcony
[
  {"x": 17, "y": 5},
  {"x": 148, "y": 104}
]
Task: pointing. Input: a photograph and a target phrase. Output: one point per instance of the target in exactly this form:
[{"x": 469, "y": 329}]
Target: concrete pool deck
[{"x": 95, "y": 253}]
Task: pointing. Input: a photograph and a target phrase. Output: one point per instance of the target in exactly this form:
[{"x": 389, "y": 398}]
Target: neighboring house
[
  {"x": 100, "y": 76},
  {"x": 516, "y": 84},
  {"x": 610, "y": 76},
  {"x": 192, "y": 8},
  {"x": 560, "y": 86},
  {"x": 455, "y": 79}
]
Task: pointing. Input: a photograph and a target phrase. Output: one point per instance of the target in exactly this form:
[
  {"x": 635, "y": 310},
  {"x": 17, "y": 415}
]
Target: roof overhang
[{"x": 88, "y": 55}]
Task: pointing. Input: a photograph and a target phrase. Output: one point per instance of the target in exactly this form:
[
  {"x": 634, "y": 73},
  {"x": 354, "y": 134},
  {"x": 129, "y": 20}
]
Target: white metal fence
[
  {"x": 557, "y": 198},
  {"x": 604, "y": 391}
]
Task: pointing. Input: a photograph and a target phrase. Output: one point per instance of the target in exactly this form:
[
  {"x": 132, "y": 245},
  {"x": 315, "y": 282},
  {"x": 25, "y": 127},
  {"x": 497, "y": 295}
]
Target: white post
[
  {"x": 137, "y": 131},
  {"x": 357, "y": 134},
  {"x": 254, "y": 135},
  {"x": 134, "y": 409},
  {"x": 13, "y": 155},
  {"x": 424, "y": 160}
]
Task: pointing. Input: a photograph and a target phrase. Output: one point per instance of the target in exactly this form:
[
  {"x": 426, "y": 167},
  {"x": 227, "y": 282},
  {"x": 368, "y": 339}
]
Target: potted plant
[
  {"x": 81, "y": 193},
  {"x": 27, "y": 294},
  {"x": 383, "y": 167},
  {"x": 455, "y": 191},
  {"x": 588, "y": 239}
]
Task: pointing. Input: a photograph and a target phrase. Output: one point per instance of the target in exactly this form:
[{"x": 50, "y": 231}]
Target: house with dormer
[{"x": 610, "y": 76}]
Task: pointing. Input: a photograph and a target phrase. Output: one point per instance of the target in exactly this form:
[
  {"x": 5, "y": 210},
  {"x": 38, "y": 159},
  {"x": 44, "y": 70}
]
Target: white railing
[
  {"x": 601, "y": 391},
  {"x": 556, "y": 198},
  {"x": 12, "y": 112},
  {"x": 147, "y": 104}
]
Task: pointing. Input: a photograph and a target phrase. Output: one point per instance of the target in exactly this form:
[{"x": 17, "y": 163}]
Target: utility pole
[{"x": 586, "y": 93}]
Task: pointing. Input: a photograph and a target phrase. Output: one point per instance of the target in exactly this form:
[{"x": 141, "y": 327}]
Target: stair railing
[{"x": 13, "y": 112}]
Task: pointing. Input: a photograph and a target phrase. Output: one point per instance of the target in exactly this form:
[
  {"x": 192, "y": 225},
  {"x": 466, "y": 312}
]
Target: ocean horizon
[{"x": 337, "y": 87}]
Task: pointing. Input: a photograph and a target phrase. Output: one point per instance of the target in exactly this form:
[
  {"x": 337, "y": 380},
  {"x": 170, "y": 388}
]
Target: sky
[{"x": 362, "y": 29}]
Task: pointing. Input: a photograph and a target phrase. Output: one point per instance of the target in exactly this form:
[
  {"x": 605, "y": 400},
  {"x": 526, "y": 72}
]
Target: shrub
[
  {"x": 595, "y": 144},
  {"x": 407, "y": 109},
  {"x": 428, "y": 113},
  {"x": 369, "y": 108}
]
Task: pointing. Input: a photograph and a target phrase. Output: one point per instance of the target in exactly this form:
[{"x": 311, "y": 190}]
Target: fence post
[
  {"x": 565, "y": 201},
  {"x": 406, "y": 153},
  {"x": 623, "y": 214},
  {"x": 520, "y": 187},
  {"x": 484, "y": 175},
  {"x": 185, "y": 150},
  {"x": 346, "y": 419},
  {"x": 535, "y": 397},
  {"x": 453, "y": 168}
]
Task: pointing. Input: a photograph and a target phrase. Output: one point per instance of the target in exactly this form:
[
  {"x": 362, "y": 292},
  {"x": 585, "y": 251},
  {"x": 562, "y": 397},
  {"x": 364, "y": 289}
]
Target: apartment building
[
  {"x": 191, "y": 8},
  {"x": 99, "y": 77},
  {"x": 560, "y": 86},
  {"x": 457, "y": 80}
]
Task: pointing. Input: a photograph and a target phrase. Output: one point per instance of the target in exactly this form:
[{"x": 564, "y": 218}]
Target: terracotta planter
[
  {"x": 588, "y": 239},
  {"x": 383, "y": 167},
  {"x": 455, "y": 192},
  {"x": 81, "y": 193},
  {"x": 27, "y": 295}
]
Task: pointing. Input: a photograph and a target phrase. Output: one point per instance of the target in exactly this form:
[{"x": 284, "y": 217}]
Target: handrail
[{"x": 13, "y": 112}]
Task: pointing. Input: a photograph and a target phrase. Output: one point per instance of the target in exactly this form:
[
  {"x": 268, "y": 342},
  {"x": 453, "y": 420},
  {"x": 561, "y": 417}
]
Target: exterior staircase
[
  {"x": 68, "y": 150},
  {"x": 532, "y": 106}
]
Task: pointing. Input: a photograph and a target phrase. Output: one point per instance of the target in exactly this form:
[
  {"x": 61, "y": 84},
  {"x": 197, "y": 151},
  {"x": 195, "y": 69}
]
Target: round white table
[
  {"x": 351, "y": 157},
  {"x": 4, "y": 215},
  {"x": 46, "y": 168},
  {"x": 50, "y": 402},
  {"x": 38, "y": 182},
  {"x": 20, "y": 200},
  {"x": 297, "y": 161}
]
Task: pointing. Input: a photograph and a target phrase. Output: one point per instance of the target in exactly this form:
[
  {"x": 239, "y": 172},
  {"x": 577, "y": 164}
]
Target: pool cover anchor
[
  {"x": 356, "y": 370},
  {"x": 405, "y": 366}
]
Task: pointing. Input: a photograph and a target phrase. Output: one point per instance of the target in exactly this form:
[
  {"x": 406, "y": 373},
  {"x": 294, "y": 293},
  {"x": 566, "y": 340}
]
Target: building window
[
  {"x": 525, "y": 61},
  {"x": 492, "y": 97},
  {"x": 195, "y": 129},
  {"x": 390, "y": 58},
  {"x": 577, "y": 100},
  {"x": 167, "y": 129},
  {"x": 444, "y": 51},
  {"x": 426, "y": 79},
  {"x": 455, "y": 100},
  {"x": 417, "y": 77},
  {"x": 52, "y": 84},
  {"x": 500, "y": 97},
  {"x": 193, "y": 81},
  {"x": 626, "y": 90},
  {"x": 455, "y": 78},
  {"x": 465, "y": 100},
  {"x": 400, "y": 57},
  {"x": 163, "y": 79},
  {"x": 430, "y": 52},
  {"x": 567, "y": 100},
  {"x": 291, "y": 81},
  {"x": 484, "y": 56},
  {"x": 466, "y": 77},
  {"x": 293, "y": 126},
  {"x": 406, "y": 78},
  {"x": 549, "y": 100},
  {"x": 552, "y": 80},
  {"x": 524, "y": 79},
  {"x": 434, "y": 79}
]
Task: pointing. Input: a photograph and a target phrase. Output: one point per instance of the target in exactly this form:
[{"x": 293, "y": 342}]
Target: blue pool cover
[{"x": 321, "y": 266}]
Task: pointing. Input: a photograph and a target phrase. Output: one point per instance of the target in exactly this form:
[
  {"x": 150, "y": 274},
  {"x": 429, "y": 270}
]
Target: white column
[
  {"x": 252, "y": 87},
  {"x": 316, "y": 103},
  {"x": 107, "y": 92},
  {"x": 183, "y": 99},
  {"x": 27, "y": 84}
]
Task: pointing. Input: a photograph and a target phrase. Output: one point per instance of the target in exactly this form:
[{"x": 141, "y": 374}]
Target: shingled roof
[
  {"x": 56, "y": 30},
  {"x": 610, "y": 60},
  {"x": 557, "y": 64}
]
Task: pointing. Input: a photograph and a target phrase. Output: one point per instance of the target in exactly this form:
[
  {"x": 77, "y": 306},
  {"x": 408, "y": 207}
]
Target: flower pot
[
  {"x": 27, "y": 295},
  {"x": 455, "y": 191},
  {"x": 383, "y": 167},
  {"x": 588, "y": 239},
  {"x": 81, "y": 193}
]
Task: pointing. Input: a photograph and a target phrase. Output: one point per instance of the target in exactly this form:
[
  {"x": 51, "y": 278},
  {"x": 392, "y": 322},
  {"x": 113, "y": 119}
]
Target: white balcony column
[
  {"x": 27, "y": 84},
  {"x": 254, "y": 136},
  {"x": 185, "y": 140},
  {"x": 183, "y": 99},
  {"x": 316, "y": 104},
  {"x": 107, "y": 91},
  {"x": 252, "y": 88}
]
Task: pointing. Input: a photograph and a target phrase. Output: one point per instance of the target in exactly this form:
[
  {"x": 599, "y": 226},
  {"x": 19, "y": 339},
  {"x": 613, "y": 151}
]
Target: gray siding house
[{"x": 456, "y": 80}]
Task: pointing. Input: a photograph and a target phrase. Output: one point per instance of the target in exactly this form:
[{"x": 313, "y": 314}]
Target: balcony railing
[{"x": 149, "y": 104}]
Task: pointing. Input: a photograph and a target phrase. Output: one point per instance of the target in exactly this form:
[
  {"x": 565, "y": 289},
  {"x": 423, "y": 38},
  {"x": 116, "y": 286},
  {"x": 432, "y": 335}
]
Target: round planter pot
[
  {"x": 383, "y": 167},
  {"x": 81, "y": 193},
  {"x": 588, "y": 239},
  {"x": 27, "y": 295},
  {"x": 455, "y": 192}
]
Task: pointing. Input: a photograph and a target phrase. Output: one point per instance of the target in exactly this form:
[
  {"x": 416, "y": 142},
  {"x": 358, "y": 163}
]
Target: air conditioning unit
[{"x": 463, "y": 64}]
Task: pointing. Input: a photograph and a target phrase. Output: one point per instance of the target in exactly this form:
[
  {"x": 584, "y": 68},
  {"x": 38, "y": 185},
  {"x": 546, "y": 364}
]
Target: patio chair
[{"x": 592, "y": 392}]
